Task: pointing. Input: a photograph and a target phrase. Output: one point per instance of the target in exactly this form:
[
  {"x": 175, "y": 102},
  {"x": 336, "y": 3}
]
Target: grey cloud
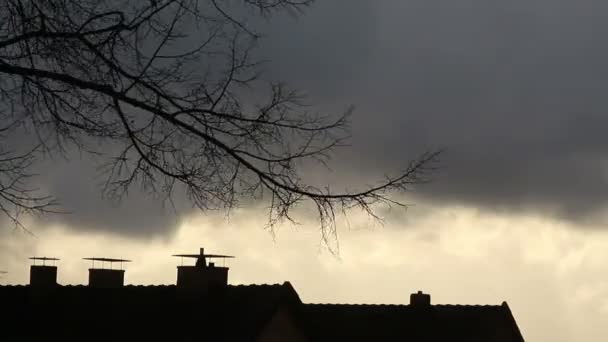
[
  {"x": 77, "y": 182},
  {"x": 324, "y": 51},
  {"x": 515, "y": 92},
  {"x": 78, "y": 185}
]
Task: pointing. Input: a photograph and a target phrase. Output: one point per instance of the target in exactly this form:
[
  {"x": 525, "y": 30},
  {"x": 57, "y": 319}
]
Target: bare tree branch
[{"x": 174, "y": 83}]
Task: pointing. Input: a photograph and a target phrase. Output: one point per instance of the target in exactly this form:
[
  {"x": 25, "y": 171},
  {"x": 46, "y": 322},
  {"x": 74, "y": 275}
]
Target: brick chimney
[
  {"x": 43, "y": 276},
  {"x": 107, "y": 278},
  {"x": 202, "y": 277},
  {"x": 420, "y": 300}
]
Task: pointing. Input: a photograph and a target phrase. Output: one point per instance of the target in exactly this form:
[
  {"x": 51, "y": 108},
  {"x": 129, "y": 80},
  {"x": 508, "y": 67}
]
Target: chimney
[
  {"x": 106, "y": 278},
  {"x": 420, "y": 300},
  {"x": 43, "y": 276},
  {"x": 202, "y": 277}
]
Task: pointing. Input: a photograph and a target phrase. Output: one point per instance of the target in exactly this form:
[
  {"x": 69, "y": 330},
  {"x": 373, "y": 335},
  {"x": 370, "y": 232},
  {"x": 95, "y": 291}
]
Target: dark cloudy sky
[{"x": 515, "y": 91}]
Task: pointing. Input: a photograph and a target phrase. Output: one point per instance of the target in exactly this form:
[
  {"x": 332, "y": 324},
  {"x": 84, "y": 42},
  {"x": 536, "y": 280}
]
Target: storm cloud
[
  {"x": 513, "y": 91},
  {"x": 78, "y": 185}
]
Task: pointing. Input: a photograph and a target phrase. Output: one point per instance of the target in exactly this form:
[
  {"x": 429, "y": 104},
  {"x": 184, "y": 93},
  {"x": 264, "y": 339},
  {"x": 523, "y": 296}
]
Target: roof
[
  {"x": 238, "y": 313},
  {"x": 471, "y": 323}
]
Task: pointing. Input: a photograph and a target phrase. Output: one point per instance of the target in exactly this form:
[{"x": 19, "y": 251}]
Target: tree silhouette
[{"x": 175, "y": 87}]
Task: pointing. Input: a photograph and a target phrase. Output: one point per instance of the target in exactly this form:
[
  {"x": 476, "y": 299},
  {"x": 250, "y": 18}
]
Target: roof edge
[
  {"x": 384, "y": 305},
  {"x": 292, "y": 292},
  {"x": 512, "y": 321}
]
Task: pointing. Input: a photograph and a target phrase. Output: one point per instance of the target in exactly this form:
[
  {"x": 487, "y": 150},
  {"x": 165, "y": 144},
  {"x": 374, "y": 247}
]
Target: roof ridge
[
  {"x": 470, "y": 305},
  {"x": 150, "y": 285},
  {"x": 286, "y": 283},
  {"x": 408, "y": 305},
  {"x": 14, "y": 285},
  {"x": 257, "y": 285},
  {"x": 357, "y": 304}
]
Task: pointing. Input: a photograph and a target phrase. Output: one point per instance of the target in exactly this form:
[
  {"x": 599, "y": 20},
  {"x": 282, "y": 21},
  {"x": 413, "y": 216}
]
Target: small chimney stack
[
  {"x": 106, "y": 278},
  {"x": 201, "y": 277},
  {"x": 43, "y": 276},
  {"x": 420, "y": 300}
]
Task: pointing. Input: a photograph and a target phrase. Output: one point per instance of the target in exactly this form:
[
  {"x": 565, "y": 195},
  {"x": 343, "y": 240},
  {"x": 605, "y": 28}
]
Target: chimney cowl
[
  {"x": 203, "y": 276},
  {"x": 106, "y": 277},
  {"x": 43, "y": 276}
]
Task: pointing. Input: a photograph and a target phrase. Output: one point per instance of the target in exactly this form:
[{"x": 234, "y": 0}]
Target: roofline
[
  {"x": 384, "y": 305},
  {"x": 512, "y": 320},
  {"x": 293, "y": 291}
]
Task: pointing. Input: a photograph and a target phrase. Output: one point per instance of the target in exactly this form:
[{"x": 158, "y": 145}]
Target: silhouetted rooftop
[
  {"x": 471, "y": 323},
  {"x": 236, "y": 313}
]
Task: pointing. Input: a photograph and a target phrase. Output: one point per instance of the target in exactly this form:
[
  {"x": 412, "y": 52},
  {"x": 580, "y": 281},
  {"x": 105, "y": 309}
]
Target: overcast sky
[{"x": 515, "y": 91}]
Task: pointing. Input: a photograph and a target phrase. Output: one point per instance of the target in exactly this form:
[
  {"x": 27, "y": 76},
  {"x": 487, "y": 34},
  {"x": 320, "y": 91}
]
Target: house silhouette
[{"x": 202, "y": 306}]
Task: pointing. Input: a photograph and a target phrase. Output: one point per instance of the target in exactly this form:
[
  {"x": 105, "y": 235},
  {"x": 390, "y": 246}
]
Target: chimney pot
[
  {"x": 104, "y": 278},
  {"x": 203, "y": 276},
  {"x": 43, "y": 276},
  {"x": 420, "y": 299}
]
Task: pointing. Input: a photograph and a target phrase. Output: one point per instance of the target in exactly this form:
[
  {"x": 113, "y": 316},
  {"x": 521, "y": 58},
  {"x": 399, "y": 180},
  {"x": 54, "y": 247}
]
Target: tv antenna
[{"x": 201, "y": 258}]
